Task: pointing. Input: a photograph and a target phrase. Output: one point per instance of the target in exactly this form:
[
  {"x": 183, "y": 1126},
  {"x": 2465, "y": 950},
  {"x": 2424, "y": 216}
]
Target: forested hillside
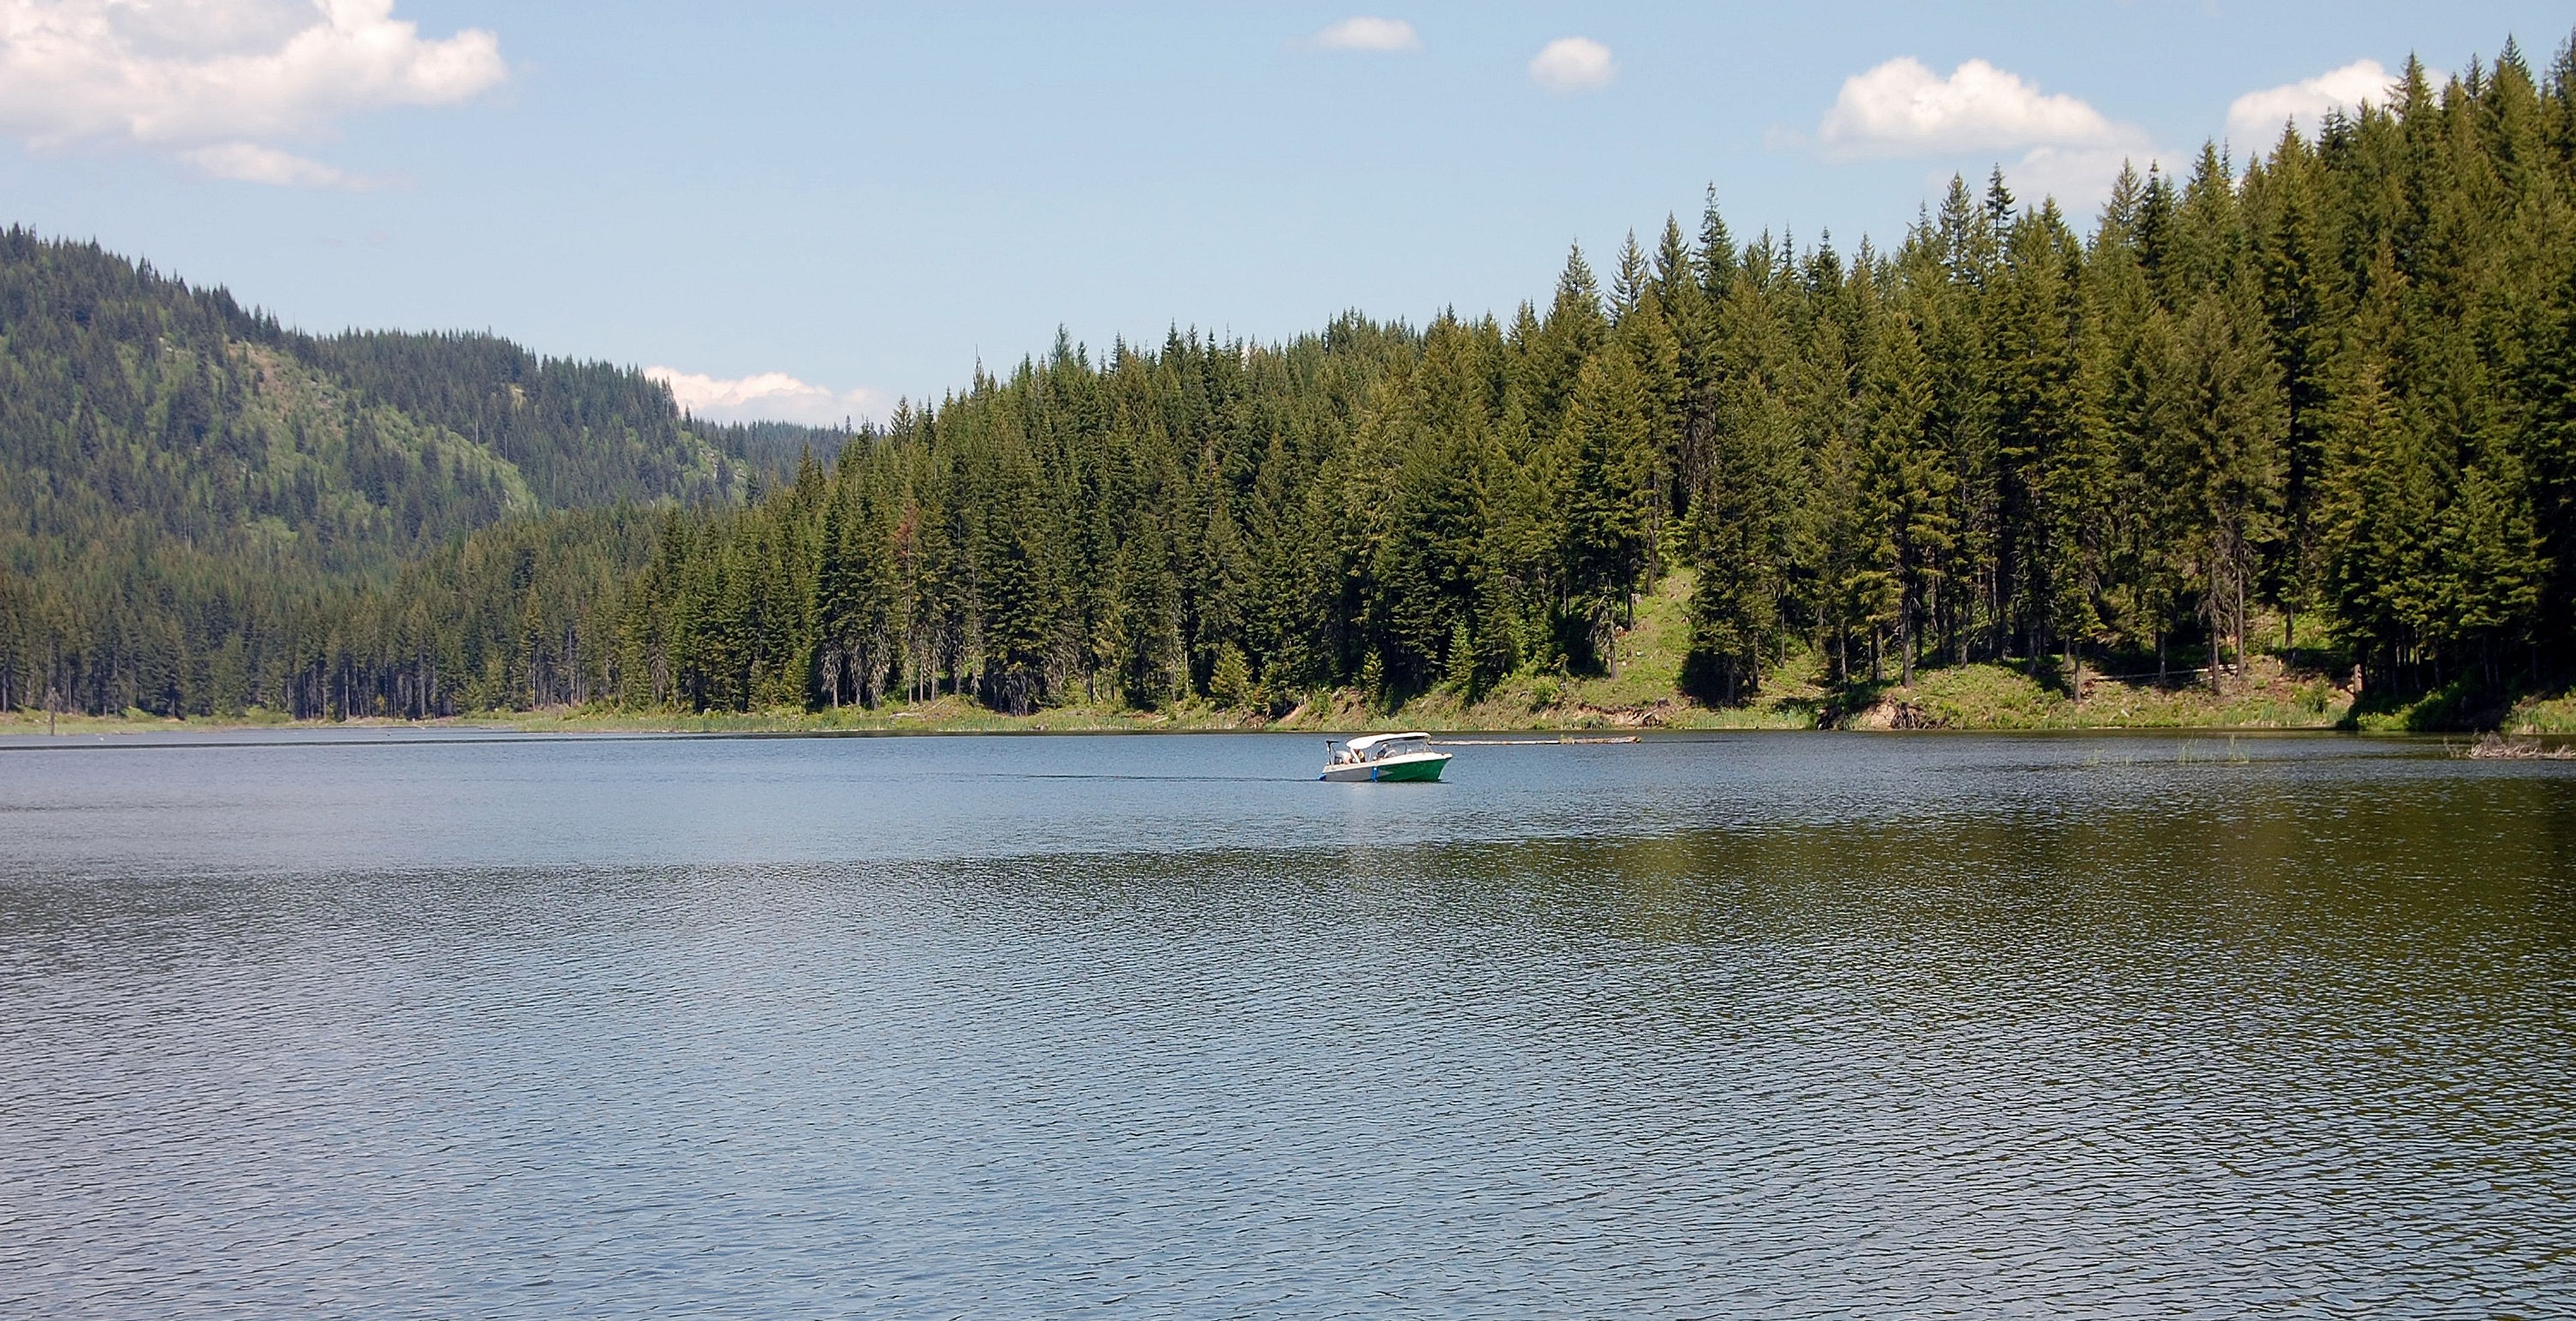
[
  {"x": 182, "y": 480},
  {"x": 2331, "y": 389}
]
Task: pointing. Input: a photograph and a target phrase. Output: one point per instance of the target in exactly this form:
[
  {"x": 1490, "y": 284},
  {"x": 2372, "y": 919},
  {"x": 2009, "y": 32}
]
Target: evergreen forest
[{"x": 2325, "y": 394}]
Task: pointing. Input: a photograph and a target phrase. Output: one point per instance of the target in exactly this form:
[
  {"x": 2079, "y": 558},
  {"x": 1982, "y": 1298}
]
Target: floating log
[{"x": 1557, "y": 742}]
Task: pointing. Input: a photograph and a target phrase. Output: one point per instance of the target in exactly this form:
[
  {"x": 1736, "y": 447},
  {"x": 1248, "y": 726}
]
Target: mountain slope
[
  {"x": 183, "y": 479},
  {"x": 132, "y": 405}
]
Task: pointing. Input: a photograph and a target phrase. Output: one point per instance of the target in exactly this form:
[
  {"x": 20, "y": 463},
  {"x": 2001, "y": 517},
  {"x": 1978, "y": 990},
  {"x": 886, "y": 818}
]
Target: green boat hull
[{"x": 1391, "y": 772}]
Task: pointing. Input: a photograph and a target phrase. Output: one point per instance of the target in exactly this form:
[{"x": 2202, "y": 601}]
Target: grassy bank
[
  {"x": 1643, "y": 691},
  {"x": 1974, "y": 697}
]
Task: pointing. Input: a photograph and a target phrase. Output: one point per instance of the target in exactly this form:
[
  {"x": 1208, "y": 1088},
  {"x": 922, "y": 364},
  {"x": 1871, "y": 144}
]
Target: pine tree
[
  {"x": 1573, "y": 330},
  {"x": 1739, "y": 525},
  {"x": 1904, "y": 486},
  {"x": 2227, "y": 421},
  {"x": 1605, "y": 489}
]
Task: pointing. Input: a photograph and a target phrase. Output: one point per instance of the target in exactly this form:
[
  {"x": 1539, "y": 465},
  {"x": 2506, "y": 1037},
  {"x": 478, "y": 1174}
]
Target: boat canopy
[{"x": 1367, "y": 741}]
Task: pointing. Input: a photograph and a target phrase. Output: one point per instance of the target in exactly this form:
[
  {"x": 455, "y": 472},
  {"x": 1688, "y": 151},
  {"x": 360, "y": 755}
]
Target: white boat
[{"x": 1384, "y": 757}]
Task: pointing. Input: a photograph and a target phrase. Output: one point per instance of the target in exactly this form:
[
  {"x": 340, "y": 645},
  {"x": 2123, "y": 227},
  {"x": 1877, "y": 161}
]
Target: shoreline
[
  {"x": 1971, "y": 699},
  {"x": 2272, "y": 691},
  {"x": 473, "y": 729}
]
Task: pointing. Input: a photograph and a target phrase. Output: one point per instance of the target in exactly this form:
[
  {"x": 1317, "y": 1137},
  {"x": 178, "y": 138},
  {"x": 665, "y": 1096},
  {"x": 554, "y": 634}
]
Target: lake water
[{"x": 1770, "y": 1025}]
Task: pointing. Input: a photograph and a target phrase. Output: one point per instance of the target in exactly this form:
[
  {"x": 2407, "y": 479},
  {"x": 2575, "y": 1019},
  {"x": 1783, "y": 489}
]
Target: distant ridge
[{"x": 168, "y": 455}]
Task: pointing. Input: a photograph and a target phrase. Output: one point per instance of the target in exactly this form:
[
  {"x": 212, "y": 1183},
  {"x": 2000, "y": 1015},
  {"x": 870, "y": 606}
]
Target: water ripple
[{"x": 1833, "y": 1027}]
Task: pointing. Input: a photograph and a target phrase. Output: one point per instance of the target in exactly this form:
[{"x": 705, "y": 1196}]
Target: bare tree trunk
[
  {"x": 2216, "y": 633},
  {"x": 1905, "y": 644},
  {"x": 2243, "y": 572}
]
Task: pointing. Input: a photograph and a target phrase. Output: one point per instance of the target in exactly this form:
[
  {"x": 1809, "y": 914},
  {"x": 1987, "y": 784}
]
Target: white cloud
[
  {"x": 1573, "y": 64},
  {"x": 1979, "y": 116},
  {"x": 1901, "y": 108},
  {"x": 2080, "y": 178},
  {"x": 2254, "y": 120},
  {"x": 220, "y": 82},
  {"x": 765, "y": 397},
  {"x": 1379, "y": 35},
  {"x": 252, "y": 163}
]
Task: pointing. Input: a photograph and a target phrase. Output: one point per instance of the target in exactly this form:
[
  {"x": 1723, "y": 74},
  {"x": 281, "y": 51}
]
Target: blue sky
[{"x": 841, "y": 204}]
